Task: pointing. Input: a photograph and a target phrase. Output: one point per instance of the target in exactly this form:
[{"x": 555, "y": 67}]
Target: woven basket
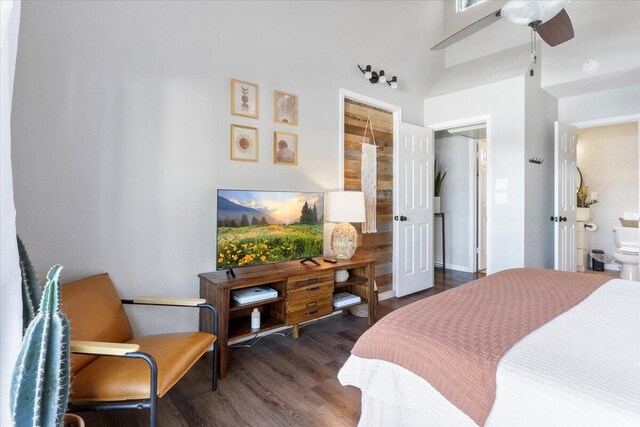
[
  {"x": 629, "y": 222},
  {"x": 360, "y": 310}
]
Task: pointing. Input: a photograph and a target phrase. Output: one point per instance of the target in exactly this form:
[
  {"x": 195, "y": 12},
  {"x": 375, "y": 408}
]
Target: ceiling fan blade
[
  {"x": 468, "y": 30},
  {"x": 557, "y": 30}
]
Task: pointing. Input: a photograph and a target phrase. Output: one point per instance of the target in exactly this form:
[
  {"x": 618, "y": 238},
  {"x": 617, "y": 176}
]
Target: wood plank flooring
[{"x": 277, "y": 382}]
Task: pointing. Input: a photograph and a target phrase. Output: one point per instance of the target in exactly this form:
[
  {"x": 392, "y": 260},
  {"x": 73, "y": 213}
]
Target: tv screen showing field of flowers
[{"x": 258, "y": 227}]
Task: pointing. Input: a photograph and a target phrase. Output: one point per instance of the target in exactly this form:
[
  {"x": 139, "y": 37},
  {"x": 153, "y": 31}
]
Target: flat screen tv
[{"x": 259, "y": 227}]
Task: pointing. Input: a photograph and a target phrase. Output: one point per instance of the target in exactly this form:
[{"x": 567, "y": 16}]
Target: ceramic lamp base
[{"x": 344, "y": 241}]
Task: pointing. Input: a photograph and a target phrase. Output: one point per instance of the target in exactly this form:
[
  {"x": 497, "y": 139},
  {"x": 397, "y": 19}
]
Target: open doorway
[
  {"x": 461, "y": 154},
  {"x": 608, "y": 164}
]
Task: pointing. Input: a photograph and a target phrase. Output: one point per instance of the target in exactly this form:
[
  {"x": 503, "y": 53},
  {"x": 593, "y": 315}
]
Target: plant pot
[
  {"x": 583, "y": 214},
  {"x": 73, "y": 420},
  {"x": 436, "y": 204}
]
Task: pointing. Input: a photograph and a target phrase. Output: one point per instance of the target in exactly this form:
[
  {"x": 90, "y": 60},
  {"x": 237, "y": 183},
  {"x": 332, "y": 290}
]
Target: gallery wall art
[
  {"x": 285, "y": 108},
  {"x": 285, "y": 148},
  {"x": 244, "y": 99},
  {"x": 244, "y": 143}
]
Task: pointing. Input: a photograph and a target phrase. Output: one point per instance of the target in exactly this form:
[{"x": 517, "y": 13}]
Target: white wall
[
  {"x": 600, "y": 105},
  {"x": 541, "y": 111},
  {"x": 121, "y": 122},
  {"x": 453, "y": 157},
  {"x": 608, "y": 160},
  {"x": 504, "y": 102}
]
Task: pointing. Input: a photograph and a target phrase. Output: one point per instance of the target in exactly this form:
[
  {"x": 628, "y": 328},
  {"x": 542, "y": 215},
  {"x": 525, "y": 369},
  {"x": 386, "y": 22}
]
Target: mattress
[{"x": 580, "y": 369}]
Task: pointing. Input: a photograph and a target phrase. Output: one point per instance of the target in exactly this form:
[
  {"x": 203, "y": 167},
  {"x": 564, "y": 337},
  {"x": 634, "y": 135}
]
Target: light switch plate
[
  {"x": 501, "y": 198},
  {"x": 501, "y": 184}
]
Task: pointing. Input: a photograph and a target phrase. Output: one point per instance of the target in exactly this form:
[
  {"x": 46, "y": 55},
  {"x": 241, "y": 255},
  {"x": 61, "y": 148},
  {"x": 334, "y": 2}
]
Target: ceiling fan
[{"x": 546, "y": 18}]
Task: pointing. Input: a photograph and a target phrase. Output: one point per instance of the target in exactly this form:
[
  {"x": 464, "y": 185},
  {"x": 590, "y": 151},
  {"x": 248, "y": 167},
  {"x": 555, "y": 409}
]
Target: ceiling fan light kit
[
  {"x": 523, "y": 12},
  {"x": 547, "y": 18}
]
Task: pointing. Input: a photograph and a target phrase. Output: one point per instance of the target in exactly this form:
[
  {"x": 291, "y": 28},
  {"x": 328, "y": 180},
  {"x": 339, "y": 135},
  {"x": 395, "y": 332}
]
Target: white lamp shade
[
  {"x": 345, "y": 206},
  {"x": 523, "y": 12}
]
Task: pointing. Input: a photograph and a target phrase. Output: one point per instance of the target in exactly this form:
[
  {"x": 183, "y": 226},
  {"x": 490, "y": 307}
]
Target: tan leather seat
[
  {"x": 116, "y": 378},
  {"x": 96, "y": 313}
]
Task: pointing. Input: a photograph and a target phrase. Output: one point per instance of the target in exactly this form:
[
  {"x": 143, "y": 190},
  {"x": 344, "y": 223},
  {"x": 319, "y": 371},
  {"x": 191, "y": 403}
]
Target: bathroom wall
[
  {"x": 608, "y": 159},
  {"x": 454, "y": 158}
]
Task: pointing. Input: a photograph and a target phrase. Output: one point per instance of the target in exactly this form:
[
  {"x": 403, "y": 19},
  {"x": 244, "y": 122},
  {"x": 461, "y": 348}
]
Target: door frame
[
  {"x": 468, "y": 121},
  {"x": 346, "y": 94},
  {"x": 614, "y": 120}
]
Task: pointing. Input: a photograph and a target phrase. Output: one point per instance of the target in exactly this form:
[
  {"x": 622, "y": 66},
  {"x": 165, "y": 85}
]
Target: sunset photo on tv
[{"x": 257, "y": 227}]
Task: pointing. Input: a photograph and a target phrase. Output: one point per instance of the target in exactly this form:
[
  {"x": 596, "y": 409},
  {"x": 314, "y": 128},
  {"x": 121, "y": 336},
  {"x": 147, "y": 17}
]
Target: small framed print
[
  {"x": 285, "y": 148},
  {"x": 244, "y": 143},
  {"x": 244, "y": 99},
  {"x": 285, "y": 108}
]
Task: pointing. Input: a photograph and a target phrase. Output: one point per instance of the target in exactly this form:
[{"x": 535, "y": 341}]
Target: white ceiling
[{"x": 605, "y": 30}]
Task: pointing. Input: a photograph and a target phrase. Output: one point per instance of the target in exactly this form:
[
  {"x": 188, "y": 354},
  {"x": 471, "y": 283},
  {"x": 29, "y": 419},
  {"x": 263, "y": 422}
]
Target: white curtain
[{"x": 10, "y": 292}]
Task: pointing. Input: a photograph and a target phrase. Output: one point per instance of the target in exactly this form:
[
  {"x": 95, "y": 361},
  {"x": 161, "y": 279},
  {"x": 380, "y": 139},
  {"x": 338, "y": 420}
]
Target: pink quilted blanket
[{"x": 454, "y": 340}]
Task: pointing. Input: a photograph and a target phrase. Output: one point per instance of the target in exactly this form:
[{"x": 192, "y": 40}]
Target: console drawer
[
  {"x": 309, "y": 303},
  {"x": 310, "y": 292},
  {"x": 310, "y": 313},
  {"x": 309, "y": 280}
]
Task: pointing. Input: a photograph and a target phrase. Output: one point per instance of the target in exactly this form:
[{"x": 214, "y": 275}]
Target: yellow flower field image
[{"x": 257, "y": 227}]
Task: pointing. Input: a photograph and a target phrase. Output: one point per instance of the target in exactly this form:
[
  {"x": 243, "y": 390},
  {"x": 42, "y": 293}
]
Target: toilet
[{"x": 627, "y": 241}]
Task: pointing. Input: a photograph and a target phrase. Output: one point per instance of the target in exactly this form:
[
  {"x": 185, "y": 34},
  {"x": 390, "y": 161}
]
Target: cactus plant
[
  {"x": 40, "y": 381},
  {"x": 31, "y": 292}
]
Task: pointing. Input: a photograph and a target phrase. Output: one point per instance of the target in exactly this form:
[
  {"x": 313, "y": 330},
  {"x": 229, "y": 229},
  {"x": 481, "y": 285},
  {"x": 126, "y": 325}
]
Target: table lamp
[{"x": 345, "y": 207}]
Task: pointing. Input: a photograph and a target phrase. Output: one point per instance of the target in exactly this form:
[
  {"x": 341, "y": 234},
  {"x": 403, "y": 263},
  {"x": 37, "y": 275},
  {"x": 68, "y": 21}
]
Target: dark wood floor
[{"x": 278, "y": 382}]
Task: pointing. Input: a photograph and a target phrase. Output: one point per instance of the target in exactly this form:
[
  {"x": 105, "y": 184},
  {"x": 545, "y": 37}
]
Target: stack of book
[{"x": 344, "y": 299}]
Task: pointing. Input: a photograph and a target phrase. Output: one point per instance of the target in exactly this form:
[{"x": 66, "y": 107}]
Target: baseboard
[
  {"x": 456, "y": 267},
  {"x": 386, "y": 295}
]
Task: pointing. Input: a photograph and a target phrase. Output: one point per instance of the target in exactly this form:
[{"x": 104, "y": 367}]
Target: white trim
[
  {"x": 472, "y": 199},
  {"x": 456, "y": 267},
  {"x": 387, "y": 295},
  {"x": 397, "y": 119},
  {"x": 606, "y": 121},
  {"x": 486, "y": 118}
]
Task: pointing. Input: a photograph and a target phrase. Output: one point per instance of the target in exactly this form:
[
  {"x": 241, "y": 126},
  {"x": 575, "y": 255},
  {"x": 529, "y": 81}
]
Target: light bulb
[
  {"x": 382, "y": 78},
  {"x": 394, "y": 85},
  {"x": 367, "y": 75}
]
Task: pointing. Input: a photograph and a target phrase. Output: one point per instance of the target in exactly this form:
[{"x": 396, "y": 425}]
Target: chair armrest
[
  {"x": 103, "y": 348},
  {"x": 183, "y": 302}
]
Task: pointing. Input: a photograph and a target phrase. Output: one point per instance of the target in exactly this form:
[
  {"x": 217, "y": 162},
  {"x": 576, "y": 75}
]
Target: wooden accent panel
[{"x": 376, "y": 245}]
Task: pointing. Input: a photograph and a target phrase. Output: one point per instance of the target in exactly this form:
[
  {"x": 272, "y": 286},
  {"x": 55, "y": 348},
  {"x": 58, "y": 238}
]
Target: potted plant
[
  {"x": 437, "y": 186},
  {"x": 584, "y": 204},
  {"x": 40, "y": 380}
]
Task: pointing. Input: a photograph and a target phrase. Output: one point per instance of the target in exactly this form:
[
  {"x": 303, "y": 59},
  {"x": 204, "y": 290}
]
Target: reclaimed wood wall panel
[{"x": 377, "y": 245}]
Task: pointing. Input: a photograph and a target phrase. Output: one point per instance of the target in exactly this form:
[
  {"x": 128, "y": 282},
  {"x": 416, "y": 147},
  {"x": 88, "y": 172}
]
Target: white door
[
  {"x": 413, "y": 216},
  {"x": 482, "y": 204},
  {"x": 564, "y": 216}
]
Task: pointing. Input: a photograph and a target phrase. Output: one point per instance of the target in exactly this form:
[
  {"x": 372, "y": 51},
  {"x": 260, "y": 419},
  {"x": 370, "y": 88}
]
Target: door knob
[
  {"x": 403, "y": 218},
  {"x": 395, "y": 217},
  {"x": 554, "y": 218},
  {"x": 563, "y": 218}
]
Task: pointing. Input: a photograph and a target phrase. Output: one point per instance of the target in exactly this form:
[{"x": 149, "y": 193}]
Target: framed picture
[
  {"x": 285, "y": 108},
  {"x": 244, "y": 143},
  {"x": 285, "y": 148},
  {"x": 244, "y": 99}
]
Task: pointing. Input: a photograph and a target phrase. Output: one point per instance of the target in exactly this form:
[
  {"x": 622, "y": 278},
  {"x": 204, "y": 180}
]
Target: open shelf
[
  {"x": 241, "y": 327},
  {"x": 353, "y": 280},
  {"x": 237, "y": 306}
]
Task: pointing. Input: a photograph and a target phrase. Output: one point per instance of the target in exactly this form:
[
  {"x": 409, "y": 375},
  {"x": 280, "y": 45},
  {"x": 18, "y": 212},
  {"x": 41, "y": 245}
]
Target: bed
[{"x": 523, "y": 347}]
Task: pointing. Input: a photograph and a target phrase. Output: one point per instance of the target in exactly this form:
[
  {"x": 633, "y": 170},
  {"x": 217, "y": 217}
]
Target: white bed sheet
[{"x": 580, "y": 369}]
